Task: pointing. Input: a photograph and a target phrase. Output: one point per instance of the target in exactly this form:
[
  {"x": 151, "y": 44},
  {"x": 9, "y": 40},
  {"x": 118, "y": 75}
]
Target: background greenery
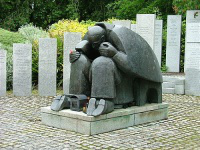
[{"x": 25, "y": 21}]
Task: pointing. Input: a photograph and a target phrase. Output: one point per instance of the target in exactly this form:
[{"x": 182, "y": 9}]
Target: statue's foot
[
  {"x": 60, "y": 102},
  {"x": 103, "y": 107},
  {"x": 91, "y": 106},
  {"x": 100, "y": 108}
]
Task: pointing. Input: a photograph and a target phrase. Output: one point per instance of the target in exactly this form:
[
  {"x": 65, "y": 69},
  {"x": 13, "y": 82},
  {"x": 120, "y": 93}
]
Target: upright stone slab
[
  {"x": 22, "y": 69},
  {"x": 47, "y": 66},
  {"x": 146, "y": 27},
  {"x": 3, "y": 54},
  {"x": 70, "y": 42},
  {"x": 192, "y": 53},
  {"x": 133, "y": 27},
  {"x": 124, "y": 23},
  {"x": 158, "y": 40},
  {"x": 173, "y": 43}
]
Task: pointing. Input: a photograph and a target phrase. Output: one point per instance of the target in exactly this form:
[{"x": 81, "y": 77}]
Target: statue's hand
[
  {"x": 106, "y": 49},
  {"x": 73, "y": 56}
]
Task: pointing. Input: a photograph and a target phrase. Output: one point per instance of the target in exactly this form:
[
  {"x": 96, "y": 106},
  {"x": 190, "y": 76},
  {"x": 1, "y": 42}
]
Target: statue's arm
[
  {"x": 121, "y": 60},
  {"x": 81, "y": 47}
]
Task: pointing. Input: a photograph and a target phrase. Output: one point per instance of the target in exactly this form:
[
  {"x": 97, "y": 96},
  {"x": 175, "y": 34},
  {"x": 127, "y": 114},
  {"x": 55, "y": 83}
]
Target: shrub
[{"x": 58, "y": 29}]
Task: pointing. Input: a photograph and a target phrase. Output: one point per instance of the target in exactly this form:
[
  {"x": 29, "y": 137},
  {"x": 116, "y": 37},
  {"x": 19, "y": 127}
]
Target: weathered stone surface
[
  {"x": 124, "y": 23},
  {"x": 192, "y": 53},
  {"x": 47, "y": 66},
  {"x": 112, "y": 124},
  {"x": 3, "y": 55},
  {"x": 168, "y": 90},
  {"x": 179, "y": 89},
  {"x": 146, "y": 27},
  {"x": 22, "y": 69},
  {"x": 133, "y": 27},
  {"x": 193, "y": 26},
  {"x": 173, "y": 43},
  {"x": 151, "y": 116},
  {"x": 70, "y": 41},
  {"x": 168, "y": 85},
  {"x": 120, "y": 118},
  {"x": 158, "y": 40}
]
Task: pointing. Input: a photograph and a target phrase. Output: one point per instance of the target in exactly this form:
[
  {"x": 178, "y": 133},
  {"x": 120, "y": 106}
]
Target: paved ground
[{"x": 21, "y": 128}]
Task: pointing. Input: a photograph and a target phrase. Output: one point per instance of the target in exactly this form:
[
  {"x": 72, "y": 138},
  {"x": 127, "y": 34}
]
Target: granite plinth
[{"x": 118, "y": 119}]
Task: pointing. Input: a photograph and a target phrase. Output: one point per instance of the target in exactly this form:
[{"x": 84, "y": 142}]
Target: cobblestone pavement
[{"x": 21, "y": 128}]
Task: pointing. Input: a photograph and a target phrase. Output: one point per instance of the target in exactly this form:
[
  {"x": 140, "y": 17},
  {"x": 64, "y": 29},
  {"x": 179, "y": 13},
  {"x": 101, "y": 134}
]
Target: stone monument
[
  {"x": 3, "y": 72},
  {"x": 22, "y": 69},
  {"x": 133, "y": 27},
  {"x": 173, "y": 43},
  {"x": 146, "y": 30},
  {"x": 47, "y": 66},
  {"x": 158, "y": 40},
  {"x": 192, "y": 53},
  {"x": 113, "y": 68}
]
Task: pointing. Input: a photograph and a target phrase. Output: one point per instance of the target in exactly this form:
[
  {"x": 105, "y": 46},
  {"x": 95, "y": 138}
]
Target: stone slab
[
  {"x": 179, "y": 89},
  {"x": 168, "y": 85},
  {"x": 133, "y": 27},
  {"x": 47, "y": 66},
  {"x": 146, "y": 27},
  {"x": 124, "y": 23},
  {"x": 22, "y": 69},
  {"x": 193, "y": 26},
  {"x": 118, "y": 119},
  {"x": 151, "y": 116},
  {"x": 71, "y": 39},
  {"x": 192, "y": 53},
  {"x": 173, "y": 43},
  {"x": 168, "y": 90},
  {"x": 3, "y": 59},
  {"x": 158, "y": 40}
]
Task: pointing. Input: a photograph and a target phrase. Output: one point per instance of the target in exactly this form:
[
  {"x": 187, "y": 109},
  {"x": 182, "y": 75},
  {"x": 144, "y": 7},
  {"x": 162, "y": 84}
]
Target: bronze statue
[{"x": 116, "y": 68}]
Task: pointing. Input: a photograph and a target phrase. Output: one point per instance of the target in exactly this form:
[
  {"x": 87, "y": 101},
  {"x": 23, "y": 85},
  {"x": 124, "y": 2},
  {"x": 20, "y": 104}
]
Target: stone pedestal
[{"x": 118, "y": 119}]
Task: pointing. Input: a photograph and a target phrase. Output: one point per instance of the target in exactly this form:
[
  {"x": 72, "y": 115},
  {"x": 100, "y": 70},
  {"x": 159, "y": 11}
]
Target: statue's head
[{"x": 96, "y": 36}]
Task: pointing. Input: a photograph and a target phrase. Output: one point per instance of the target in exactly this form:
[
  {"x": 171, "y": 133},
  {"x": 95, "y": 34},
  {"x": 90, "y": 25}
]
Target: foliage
[
  {"x": 127, "y": 9},
  {"x": 13, "y": 14},
  {"x": 62, "y": 26},
  {"x": 7, "y": 39},
  {"x": 181, "y": 6}
]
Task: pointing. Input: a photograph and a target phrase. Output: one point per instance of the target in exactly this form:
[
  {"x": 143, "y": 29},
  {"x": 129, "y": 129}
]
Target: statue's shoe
[
  {"x": 101, "y": 108},
  {"x": 60, "y": 102},
  {"x": 91, "y": 106}
]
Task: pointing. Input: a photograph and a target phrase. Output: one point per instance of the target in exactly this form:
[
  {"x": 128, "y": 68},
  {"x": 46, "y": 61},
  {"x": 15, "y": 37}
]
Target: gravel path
[{"x": 21, "y": 128}]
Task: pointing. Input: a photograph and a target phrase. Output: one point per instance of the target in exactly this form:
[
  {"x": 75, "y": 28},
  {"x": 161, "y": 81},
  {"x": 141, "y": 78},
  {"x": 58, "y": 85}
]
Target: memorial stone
[
  {"x": 22, "y": 69},
  {"x": 133, "y": 27},
  {"x": 173, "y": 43},
  {"x": 3, "y": 72},
  {"x": 146, "y": 27},
  {"x": 70, "y": 41},
  {"x": 192, "y": 53},
  {"x": 158, "y": 40},
  {"x": 47, "y": 66},
  {"x": 124, "y": 23}
]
